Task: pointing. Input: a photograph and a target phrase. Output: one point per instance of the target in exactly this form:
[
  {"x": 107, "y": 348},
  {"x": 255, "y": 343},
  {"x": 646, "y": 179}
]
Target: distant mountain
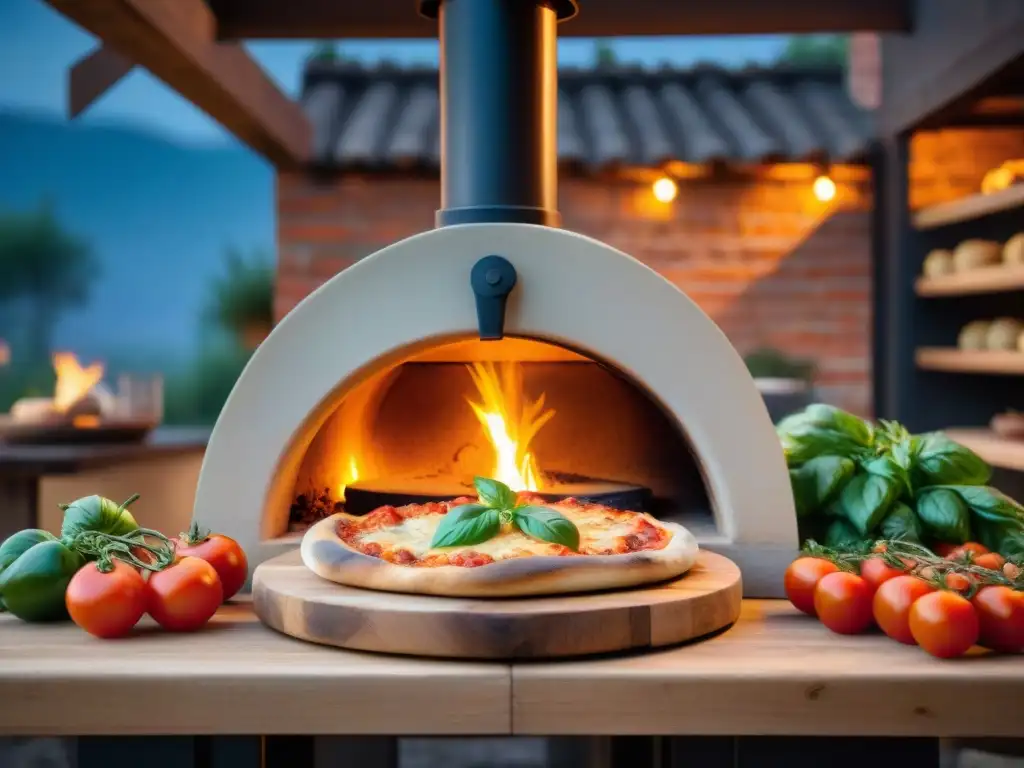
[{"x": 158, "y": 214}]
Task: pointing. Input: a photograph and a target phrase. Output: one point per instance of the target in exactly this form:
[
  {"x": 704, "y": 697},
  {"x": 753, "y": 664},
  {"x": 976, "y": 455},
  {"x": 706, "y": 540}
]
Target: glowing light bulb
[
  {"x": 665, "y": 190},
  {"x": 824, "y": 189}
]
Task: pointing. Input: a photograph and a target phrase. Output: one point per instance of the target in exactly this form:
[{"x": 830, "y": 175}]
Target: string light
[
  {"x": 824, "y": 189},
  {"x": 665, "y": 190}
]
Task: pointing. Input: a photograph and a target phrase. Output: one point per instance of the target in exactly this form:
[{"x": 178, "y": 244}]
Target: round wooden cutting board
[{"x": 290, "y": 598}]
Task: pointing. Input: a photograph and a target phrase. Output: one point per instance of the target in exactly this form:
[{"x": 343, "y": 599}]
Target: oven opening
[{"x": 533, "y": 415}]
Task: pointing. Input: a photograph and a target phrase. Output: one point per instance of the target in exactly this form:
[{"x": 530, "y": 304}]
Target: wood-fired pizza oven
[{"x": 499, "y": 344}]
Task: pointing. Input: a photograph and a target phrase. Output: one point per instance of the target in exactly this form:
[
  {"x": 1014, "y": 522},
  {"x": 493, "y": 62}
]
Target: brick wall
[
  {"x": 769, "y": 263},
  {"x": 764, "y": 259}
]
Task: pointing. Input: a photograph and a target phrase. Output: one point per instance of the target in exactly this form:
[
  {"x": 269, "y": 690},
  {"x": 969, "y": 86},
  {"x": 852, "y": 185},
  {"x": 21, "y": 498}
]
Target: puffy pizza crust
[{"x": 324, "y": 553}]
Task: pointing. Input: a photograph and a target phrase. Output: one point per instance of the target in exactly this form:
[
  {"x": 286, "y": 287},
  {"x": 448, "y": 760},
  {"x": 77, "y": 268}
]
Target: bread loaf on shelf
[
  {"x": 975, "y": 253},
  {"x": 1004, "y": 334},
  {"x": 974, "y": 335},
  {"x": 1013, "y": 250},
  {"x": 938, "y": 262}
]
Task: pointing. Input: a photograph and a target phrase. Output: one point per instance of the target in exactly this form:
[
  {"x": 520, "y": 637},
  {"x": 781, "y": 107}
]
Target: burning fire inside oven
[
  {"x": 556, "y": 425},
  {"x": 509, "y": 423}
]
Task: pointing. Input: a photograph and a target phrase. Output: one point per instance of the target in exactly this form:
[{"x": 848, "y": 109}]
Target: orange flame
[
  {"x": 73, "y": 381},
  {"x": 509, "y": 423}
]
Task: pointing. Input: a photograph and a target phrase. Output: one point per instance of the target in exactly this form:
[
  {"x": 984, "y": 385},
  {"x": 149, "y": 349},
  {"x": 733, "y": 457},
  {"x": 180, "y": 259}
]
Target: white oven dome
[{"x": 572, "y": 291}]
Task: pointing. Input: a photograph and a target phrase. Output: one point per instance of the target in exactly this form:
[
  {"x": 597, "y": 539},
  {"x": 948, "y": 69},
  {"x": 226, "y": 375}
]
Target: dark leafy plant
[
  {"x": 44, "y": 270},
  {"x": 243, "y": 296},
  {"x": 768, "y": 363},
  {"x": 826, "y": 51}
]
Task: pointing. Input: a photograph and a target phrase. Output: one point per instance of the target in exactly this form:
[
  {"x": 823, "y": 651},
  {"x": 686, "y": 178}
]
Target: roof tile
[{"x": 606, "y": 116}]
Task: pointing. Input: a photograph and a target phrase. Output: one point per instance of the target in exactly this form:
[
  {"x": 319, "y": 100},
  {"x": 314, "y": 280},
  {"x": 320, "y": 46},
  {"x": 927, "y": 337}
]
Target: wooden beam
[
  {"x": 241, "y": 19},
  {"x": 176, "y": 41},
  {"x": 93, "y": 75}
]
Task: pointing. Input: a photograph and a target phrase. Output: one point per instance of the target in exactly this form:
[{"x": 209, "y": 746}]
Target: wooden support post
[
  {"x": 93, "y": 75},
  {"x": 176, "y": 40}
]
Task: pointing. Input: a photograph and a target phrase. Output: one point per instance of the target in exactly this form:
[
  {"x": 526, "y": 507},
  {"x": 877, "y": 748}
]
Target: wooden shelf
[
  {"x": 997, "y": 451},
  {"x": 983, "y": 280},
  {"x": 968, "y": 208},
  {"x": 970, "y": 361}
]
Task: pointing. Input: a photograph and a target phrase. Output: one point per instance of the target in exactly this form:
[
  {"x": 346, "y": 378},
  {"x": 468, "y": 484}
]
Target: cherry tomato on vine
[
  {"x": 944, "y": 624},
  {"x": 106, "y": 603},
  {"x": 991, "y": 560},
  {"x": 972, "y": 548},
  {"x": 843, "y": 602},
  {"x": 222, "y": 552},
  {"x": 944, "y": 549},
  {"x": 875, "y": 571},
  {"x": 184, "y": 596},
  {"x": 801, "y": 577},
  {"x": 891, "y": 606},
  {"x": 958, "y": 582},
  {"x": 1001, "y": 618}
]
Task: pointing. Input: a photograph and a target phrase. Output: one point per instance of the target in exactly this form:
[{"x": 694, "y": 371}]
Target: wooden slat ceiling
[{"x": 304, "y": 19}]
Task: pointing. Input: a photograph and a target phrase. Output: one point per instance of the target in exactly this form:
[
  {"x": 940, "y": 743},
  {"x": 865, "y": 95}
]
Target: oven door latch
[{"x": 492, "y": 280}]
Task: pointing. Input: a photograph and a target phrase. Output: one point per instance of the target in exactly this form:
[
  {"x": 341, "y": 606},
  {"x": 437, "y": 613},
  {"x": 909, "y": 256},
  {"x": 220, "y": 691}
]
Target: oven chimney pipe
[{"x": 499, "y": 107}]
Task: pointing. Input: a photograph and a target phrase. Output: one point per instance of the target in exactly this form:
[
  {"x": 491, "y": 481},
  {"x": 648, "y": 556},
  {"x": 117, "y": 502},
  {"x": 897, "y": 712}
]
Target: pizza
[{"x": 395, "y": 549}]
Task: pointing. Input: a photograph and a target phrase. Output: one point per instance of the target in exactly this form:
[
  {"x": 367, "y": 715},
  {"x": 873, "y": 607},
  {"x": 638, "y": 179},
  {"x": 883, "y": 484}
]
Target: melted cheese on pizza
[{"x": 403, "y": 535}]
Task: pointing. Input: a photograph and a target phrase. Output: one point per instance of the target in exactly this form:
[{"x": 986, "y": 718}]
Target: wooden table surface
[{"x": 774, "y": 672}]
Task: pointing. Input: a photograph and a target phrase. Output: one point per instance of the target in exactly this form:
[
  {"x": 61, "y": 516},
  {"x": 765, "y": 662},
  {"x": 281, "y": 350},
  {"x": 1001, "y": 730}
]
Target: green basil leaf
[
  {"x": 804, "y": 443},
  {"x": 840, "y": 533},
  {"x": 888, "y": 467},
  {"x": 466, "y": 525},
  {"x": 546, "y": 524},
  {"x": 941, "y": 461},
  {"x": 828, "y": 418},
  {"x": 904, "y": 452},
  {"x": 494, "y": 494},
  {"x": 990, "y": 504},
  {"x": 1005, "y": 538},
  {"x": 865, "y": 500},
  {"x": 944, "y": 515},
  {"x": 818, "y": 481},
  {"x": 902, "y": 523}
]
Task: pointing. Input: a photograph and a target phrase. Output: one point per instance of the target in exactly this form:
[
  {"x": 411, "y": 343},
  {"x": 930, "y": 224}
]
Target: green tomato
[
  {"x": 95, "y": 513},
  {"x": 33, "y": 586},
  {"x": 21, "y": 542}
]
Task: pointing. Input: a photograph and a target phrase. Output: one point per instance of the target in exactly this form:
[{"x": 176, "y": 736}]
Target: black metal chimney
[{"x": 499, "y": 105}]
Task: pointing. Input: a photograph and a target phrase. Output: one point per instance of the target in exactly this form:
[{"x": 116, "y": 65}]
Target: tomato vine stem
[{"x": 917, "y": 560}]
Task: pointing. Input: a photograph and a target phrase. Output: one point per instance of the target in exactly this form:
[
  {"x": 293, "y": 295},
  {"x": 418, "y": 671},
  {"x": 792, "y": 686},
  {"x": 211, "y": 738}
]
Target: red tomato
[
  {"x": 106, "y": 604},
  {"x": 223, "y": 553},
  {"x": 944, "y": 624},
  {"x": 891, "y": 606},
  {"x": 1001, "y": 618},
  {"x": 991, "y": 560},
  {"x": 959, "y": 582},
  {"x": 185, "y": 595},
  {"x": 843, "y": 602},
  {"x": 802, "y": 577},
  {"x": 875, "y": 571},
  {"x": 972, "y": 548},
  {"x": 944, "y": 548}
]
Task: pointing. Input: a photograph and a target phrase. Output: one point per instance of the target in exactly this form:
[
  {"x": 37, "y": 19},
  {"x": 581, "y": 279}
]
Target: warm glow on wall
[
  {"x": 665, "y": 190},
  {"x": 824, "y": 189}
]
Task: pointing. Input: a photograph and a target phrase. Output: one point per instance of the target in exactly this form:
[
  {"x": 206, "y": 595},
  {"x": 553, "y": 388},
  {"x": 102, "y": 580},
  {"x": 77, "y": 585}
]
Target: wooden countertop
[
  {"x": 59, "y": 459},
  {"x": 775, "y": 672}
]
